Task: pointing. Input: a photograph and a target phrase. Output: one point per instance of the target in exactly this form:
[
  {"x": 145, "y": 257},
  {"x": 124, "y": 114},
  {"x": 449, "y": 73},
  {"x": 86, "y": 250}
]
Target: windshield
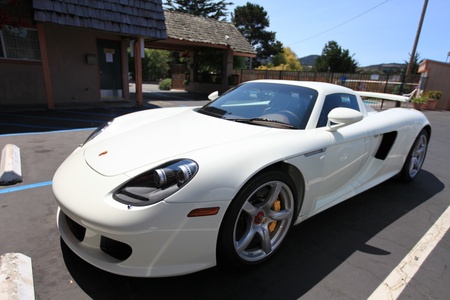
[{"x": 268, "y": 104}]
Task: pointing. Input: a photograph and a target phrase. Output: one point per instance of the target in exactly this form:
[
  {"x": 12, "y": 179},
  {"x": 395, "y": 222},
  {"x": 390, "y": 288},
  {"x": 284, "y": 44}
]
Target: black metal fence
[{"x": 381, "y": 83}]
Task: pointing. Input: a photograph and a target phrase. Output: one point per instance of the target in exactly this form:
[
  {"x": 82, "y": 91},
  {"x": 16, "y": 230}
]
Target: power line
[{"x": 341, "y": 24}]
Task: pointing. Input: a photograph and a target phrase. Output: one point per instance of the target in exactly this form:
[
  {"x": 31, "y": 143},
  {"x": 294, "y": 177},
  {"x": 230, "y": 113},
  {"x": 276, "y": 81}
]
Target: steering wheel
[{"x": 293, "y": 118}]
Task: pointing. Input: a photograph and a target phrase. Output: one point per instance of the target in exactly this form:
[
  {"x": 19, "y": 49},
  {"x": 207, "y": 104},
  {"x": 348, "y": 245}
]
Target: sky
[{"x": 373, "y": 31}]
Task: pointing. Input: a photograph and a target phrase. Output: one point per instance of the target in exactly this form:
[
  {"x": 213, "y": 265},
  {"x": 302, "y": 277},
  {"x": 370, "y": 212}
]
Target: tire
[
  {"x": 257, "y": 221},
  {"x": 415, "y": 158}
]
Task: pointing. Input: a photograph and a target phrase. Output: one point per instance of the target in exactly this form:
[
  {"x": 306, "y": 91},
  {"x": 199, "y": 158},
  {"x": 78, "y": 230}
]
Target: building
[
  {"x": 189, "y": 35},
  {"x": 60, "y": 53},
  {"x": 435, "y": 75}
]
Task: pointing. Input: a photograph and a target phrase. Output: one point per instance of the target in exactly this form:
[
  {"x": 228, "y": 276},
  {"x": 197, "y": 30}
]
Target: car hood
[{"x": 156, "y": 136}]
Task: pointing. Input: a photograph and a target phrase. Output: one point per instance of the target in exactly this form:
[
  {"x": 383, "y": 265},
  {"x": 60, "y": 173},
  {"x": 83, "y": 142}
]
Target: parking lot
[{"x": 344, "y": 253}]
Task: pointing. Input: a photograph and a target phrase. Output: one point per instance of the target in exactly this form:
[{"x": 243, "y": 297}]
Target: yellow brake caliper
[{"x": 276, "y": 207}]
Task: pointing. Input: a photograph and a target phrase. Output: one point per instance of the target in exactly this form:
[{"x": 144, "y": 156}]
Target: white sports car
[{"x": 171, "y": 191}]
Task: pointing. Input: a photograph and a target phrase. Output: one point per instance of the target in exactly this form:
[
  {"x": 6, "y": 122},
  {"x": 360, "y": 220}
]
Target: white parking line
[{"x": 395, "y": 283}]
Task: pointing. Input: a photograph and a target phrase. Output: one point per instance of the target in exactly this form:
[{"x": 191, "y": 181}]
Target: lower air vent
[
  {"x": 77, "y": 230},
  {"x": 116, "y": 249}
]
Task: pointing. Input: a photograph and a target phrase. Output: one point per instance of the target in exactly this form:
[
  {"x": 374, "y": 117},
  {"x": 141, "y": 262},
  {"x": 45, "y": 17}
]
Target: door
[
  {"x": 110, "y": 69},
  {"x": 345, "y": 155},
  {"x": 342, "y": 162}
]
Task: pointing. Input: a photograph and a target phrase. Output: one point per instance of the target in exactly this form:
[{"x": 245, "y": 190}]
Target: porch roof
[{"x": 186, "y": 30}]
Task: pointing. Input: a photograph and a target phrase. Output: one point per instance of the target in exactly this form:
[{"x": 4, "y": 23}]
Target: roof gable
[
  {"x": 187, "y": 27},
  {"x": 129, "y": 17}
]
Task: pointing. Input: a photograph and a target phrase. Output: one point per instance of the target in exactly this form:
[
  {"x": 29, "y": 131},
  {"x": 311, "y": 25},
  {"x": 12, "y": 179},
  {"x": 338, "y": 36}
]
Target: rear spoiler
[{"x": 401, "y": 98}]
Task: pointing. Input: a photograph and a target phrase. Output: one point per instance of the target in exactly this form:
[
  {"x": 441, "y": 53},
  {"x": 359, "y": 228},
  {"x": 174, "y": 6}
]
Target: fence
[{"x": 381, "y": 83}]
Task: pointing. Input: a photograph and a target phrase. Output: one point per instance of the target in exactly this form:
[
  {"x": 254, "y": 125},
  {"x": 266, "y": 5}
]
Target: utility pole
[{"x": 416, "y": 41}]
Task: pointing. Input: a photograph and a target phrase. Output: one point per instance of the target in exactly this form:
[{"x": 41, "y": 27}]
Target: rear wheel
[
  {"x": 416, "y": 157},
  {"x": 257, "y": 221}
]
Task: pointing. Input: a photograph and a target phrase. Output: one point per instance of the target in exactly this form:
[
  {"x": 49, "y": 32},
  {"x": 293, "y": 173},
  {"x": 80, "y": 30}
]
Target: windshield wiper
[
  {"x": 212, "y": 111},
  {"x": 264, "y": 121}
]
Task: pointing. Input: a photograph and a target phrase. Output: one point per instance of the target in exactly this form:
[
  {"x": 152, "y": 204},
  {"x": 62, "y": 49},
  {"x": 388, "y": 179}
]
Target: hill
[{"x": 308, "y": 60}]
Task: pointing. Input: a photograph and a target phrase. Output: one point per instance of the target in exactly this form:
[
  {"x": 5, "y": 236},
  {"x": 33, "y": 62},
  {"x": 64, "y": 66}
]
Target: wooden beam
[
  {"x": 138, "y": 70},
  {"x": 45, "y": 65}
]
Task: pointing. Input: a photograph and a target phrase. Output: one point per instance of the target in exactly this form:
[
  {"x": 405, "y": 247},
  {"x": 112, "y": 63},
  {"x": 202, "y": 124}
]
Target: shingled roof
[
  {"x": 190, "y": 28},
  {"x": 129, "y": 17}
]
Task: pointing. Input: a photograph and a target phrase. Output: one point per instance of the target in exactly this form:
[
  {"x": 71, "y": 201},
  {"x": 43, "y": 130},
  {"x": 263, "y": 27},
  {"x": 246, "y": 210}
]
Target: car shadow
[
  {"x": 172, "y": 95},
  {"x": 17, "y": 120},
  {"x": 311, "y": 252},
  {"x": 44, "y": 120}
]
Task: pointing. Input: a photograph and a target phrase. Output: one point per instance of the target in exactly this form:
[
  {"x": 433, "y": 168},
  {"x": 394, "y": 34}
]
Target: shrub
[
  {"x": 401, "y": 89},
  {"x": 419, "y": 100},
  {"x": 165, "y": 84},
  {"x": 436, "y": 95}
]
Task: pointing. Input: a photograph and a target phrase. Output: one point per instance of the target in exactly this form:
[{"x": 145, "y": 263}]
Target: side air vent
[{"x": 386, "y": 145}]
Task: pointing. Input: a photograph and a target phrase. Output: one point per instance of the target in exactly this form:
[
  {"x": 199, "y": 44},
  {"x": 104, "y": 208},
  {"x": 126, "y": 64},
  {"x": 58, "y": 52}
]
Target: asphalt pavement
[
  {"x": 72, "y": 116},
  {"x": 345, "y": 252}
]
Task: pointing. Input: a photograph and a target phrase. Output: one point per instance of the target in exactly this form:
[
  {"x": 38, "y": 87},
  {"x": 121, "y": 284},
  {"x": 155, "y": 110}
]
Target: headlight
[
  {"x": 157, "y": 184},
  {"x": 96, "y": 132}
]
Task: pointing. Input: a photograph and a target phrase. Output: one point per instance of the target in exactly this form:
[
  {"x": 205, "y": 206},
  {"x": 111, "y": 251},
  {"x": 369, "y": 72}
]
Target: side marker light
[{"x": 202, "y": 212}]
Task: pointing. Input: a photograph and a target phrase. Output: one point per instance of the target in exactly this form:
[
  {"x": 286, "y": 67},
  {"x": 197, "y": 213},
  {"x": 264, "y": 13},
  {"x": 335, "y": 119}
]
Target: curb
[
  {"x": 16, "y": 277},
  {"x": 10, "y": 165}
]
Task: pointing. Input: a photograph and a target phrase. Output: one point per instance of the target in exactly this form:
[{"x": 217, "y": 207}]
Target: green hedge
[{"x": 165, "y": 84}]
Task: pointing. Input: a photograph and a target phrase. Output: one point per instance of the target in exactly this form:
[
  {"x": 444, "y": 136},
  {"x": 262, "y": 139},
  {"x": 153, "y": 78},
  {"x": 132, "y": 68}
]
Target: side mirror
[
  {"x": 343, "y": 116},
  {"x": 213, "y": 96}
]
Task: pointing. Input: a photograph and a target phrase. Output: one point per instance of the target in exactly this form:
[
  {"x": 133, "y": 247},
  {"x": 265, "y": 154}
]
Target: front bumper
[{"x": 156, "y": 253}]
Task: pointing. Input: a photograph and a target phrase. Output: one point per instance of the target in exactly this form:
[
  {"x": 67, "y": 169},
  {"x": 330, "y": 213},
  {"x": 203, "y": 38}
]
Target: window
[
  {"x": 19, "y": 43},
  {"x": 285, "y": 103},
  {"x": 333, "y": 101},
  {"x": 349, "y": 101}
]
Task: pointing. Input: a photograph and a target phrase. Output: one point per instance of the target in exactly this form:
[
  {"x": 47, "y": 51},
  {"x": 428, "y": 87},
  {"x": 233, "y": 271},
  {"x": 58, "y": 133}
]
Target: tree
[
  {"x": 291, "y": 60},
  {"x": 286, "y": 60},
  {"x": 251, "y": 20},
  {"x": 415, "y": 63},
  {"x": 203, "y": 8},
  {"x": 335, "y": 59},
  {"x": 155, "y": 64}
]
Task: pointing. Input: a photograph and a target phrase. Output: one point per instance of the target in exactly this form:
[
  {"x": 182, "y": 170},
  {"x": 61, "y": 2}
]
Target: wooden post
[
  {"x": 138, "y": 70},
  {"x": 227, "y": 66},
  {"x": 45, "y": 65}
]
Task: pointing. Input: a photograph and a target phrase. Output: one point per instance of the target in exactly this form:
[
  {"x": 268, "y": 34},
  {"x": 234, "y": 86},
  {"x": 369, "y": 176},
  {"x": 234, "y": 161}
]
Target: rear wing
[{"x": 401, "y": 98}]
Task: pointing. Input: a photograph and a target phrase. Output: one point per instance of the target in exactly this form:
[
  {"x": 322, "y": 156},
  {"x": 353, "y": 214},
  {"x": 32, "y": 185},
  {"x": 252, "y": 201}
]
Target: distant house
[
  {"x": 392, "y": 68},
  {"x": 61, "y": 52}
]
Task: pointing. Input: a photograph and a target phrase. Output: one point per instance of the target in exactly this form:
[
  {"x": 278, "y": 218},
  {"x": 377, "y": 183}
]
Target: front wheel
[
  {"x": 416, "y": 157},
  {"x": 257, "y": 220}
]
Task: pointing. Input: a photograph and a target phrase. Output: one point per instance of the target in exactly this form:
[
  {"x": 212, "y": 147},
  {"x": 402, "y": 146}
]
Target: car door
[{"x": 343, "y": 158}]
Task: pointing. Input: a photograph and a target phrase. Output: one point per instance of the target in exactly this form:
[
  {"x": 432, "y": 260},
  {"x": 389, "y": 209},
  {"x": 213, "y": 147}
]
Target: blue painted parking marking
[{"x": 25, "y": 187}]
